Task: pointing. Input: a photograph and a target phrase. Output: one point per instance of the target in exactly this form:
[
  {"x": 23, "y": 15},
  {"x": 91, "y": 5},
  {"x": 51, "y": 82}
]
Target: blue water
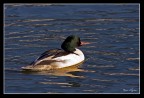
[{"x": 112, "y": 58}]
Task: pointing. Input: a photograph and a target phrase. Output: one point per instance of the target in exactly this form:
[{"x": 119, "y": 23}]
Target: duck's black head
[{"x": 70, "y": 43}]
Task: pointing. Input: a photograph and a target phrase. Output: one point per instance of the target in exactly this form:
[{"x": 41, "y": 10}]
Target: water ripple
[{"x": 122, "y": 74}]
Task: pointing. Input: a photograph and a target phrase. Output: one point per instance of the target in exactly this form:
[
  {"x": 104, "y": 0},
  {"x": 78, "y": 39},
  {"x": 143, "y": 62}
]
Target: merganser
[{"x": 68, "y": 56}]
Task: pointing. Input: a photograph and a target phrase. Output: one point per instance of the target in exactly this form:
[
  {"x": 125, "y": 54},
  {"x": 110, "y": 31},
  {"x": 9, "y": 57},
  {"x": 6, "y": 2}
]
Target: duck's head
[{"x": 71, "y": 42}]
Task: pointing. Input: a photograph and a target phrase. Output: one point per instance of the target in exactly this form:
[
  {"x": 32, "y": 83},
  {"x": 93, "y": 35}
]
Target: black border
[{"x": 74, "y": 1}]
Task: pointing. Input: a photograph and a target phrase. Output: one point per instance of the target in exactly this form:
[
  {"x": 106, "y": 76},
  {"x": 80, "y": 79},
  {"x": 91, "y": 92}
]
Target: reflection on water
[
  {"x": 112, "y": 58},
  {"x": 59, "y": 72},
  {"x": 68, "y": 71}
]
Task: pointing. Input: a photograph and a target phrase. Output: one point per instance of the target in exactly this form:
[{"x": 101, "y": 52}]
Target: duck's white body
[
  {"x": 56, "y": 59},
  {"x": 70, "y": 59}
]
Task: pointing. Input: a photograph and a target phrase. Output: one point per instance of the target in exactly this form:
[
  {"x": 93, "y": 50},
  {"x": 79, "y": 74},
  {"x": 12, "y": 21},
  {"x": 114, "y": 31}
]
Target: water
[{"x": 112, "y": 58}]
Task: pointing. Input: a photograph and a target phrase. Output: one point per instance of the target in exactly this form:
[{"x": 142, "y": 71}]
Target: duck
[{"x": 68, "y": 55}]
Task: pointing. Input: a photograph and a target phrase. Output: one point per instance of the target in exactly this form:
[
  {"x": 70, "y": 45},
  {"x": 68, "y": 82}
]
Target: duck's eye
[{"x": 79, "y": 42}]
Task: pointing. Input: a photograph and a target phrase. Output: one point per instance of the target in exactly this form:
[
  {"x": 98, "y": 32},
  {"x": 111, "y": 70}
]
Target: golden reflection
[{"x": 67, "y": 71}]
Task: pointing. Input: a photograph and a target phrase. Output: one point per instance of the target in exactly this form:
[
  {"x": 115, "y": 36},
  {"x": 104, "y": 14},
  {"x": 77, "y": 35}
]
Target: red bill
[{"x": 84, "y": 43}]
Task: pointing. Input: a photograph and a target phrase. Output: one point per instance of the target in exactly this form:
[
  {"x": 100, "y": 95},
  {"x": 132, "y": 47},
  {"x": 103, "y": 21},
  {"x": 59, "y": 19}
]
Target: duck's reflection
[{"x": 67, "y": 71}]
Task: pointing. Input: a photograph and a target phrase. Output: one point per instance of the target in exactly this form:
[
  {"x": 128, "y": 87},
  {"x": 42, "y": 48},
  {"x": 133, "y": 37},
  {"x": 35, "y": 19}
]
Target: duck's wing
[{"x": 52, "y": 52}]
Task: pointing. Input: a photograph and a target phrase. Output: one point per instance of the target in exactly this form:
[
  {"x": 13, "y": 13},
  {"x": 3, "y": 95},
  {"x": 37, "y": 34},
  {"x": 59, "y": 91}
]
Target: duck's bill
[{"x": 84, "y": 43}]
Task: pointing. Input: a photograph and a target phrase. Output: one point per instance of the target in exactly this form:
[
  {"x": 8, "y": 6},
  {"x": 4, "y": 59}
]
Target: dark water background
[{"x": 112, "y": 60}]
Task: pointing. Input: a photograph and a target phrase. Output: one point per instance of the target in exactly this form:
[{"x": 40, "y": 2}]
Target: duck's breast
[{"x": 69, "y": 59}]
